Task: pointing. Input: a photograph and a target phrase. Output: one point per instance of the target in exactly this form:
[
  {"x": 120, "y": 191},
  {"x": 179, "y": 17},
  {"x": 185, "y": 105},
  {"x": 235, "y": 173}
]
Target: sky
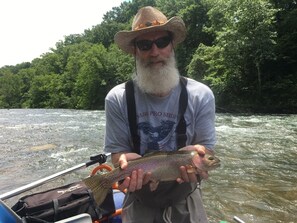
[{"x": 29, "y": 28}]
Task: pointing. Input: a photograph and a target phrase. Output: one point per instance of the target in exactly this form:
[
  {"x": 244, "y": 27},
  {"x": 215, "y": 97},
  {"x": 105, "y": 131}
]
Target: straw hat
[{"x": 146, "y": 20}]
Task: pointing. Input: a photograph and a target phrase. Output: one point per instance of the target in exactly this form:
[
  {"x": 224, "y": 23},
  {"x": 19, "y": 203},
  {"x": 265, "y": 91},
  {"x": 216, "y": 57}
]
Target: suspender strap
[
  {"x": 181, "y": 127},
  {"x": 131, "y": 107}
]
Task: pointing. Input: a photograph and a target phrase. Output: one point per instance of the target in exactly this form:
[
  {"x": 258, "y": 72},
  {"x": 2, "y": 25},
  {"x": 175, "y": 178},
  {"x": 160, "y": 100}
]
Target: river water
[{"x": 257, "y": 180}]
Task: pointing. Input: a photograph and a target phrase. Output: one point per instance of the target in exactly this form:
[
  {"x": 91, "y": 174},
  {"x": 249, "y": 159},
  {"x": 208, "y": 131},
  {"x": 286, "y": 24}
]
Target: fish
[{"x": 163, "y": 166}]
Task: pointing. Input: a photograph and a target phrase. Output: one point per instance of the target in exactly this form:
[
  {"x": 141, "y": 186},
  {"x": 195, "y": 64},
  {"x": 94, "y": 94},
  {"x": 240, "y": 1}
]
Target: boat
[{"x": 8, "y": 215}]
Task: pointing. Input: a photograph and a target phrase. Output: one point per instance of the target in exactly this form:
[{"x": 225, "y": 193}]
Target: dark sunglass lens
[
  {"x": 163, "y": 42},
  {"x": 144, "y": 44}
]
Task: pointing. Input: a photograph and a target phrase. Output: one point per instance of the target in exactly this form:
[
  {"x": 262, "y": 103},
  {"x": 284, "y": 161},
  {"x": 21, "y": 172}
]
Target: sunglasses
[{"x": 145, "y": 45}]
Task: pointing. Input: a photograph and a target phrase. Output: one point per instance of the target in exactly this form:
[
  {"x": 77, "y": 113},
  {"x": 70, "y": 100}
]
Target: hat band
[{"x": 148, "y": 24}]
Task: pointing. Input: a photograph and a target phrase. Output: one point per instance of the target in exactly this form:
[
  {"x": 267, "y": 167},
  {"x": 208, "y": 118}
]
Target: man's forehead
[{"x": 152, "y": 35}]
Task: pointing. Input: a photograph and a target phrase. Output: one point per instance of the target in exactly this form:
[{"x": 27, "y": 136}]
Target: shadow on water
[{"x": 256, "y": 182}]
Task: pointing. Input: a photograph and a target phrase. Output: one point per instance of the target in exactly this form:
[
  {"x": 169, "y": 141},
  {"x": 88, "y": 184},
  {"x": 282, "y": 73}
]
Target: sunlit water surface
[{"x": 257, "y": 180}]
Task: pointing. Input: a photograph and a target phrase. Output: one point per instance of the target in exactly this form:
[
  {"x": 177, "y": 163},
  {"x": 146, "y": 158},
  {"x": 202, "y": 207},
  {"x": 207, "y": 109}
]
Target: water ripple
[{"x": 257, "y": 179}]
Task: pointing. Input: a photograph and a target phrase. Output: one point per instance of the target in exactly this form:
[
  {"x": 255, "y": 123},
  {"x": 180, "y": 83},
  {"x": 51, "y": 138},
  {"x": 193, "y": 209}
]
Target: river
[{"x": 257, "y": 180}]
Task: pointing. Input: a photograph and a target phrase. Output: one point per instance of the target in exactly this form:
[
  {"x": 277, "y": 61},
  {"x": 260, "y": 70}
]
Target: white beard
[{"x": 157, "y": 81}]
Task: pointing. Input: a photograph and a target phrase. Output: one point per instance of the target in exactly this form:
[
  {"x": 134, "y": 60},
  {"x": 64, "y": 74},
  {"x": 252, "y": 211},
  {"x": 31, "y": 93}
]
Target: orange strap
[
  {"x": 105, "y": 218},
  {"x": 101, "y": 168}
]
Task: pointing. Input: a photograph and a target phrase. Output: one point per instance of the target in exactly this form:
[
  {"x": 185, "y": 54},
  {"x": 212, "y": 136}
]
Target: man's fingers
[
  {"x": 125, "y": 157},
  {"x": 200, "y": 150},
  {"x": 133, "y": 181},
  {"x": 123, "y": 161},
  {"x": 179, "y": 180},
  {"x": 184, "y": 174},
  {"x": 147, "y": 178},
  {"x": 139, "y": 179},
  {"x": 125, "y": 184},
  {"x": 188, "y": 174}
]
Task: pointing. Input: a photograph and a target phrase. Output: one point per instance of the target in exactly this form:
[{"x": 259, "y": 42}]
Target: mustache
[
  {"x": 157, "y": 81},
  {"x": 151, "y": 61}
]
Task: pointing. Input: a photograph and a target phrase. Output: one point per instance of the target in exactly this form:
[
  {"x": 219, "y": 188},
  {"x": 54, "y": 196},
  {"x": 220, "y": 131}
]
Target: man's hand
[
  {"x": 188, "y": 173},
  {"x": 137, "y": 179}
]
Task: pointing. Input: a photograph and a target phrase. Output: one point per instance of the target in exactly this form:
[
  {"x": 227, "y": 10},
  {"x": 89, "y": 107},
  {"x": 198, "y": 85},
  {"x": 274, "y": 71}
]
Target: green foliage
[
  {"x": 10, "y": 93},
  {"x": 244, "y": 40},
  {"x": 245, "y": 50},
  {"x": 122, "y": 66},
  {"x": 90, "y": 78},
  {"x": 194, "y": 15}
]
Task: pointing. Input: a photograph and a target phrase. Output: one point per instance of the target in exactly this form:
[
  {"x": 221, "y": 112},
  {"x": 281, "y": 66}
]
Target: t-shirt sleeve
[
  {"x": 117, "y": 133},
  {"x": 202, "y": 106},
  {"x": 205, "y": 125}
]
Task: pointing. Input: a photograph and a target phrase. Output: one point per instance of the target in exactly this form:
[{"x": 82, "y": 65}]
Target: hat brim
[{"x": 175, "y": 25}]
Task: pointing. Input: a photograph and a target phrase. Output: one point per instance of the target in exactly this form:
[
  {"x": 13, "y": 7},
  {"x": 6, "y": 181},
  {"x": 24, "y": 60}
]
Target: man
[{"x": 157, "y": 91}]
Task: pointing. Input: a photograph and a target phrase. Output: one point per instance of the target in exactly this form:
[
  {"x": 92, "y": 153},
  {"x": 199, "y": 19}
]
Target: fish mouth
[{"x": 215, "y": 165}]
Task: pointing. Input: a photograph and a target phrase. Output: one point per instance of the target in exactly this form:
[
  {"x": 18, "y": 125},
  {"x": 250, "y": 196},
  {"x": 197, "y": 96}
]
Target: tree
[
  {"x": 49, "y": 62},
  {"x": 231, "y": 45},
  {"x": 244, "y": 39},
  {"x": 104, "y": 33},
  {"x": 121, "y": 66},
  {"x": 10, "y": 90},
  {"x": 90, "y": 81}
]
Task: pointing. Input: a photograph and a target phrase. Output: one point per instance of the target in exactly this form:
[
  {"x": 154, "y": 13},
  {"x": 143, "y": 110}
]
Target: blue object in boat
[
  {"x": 7, "y": 215},
  {"x": 118, "y": 197}
]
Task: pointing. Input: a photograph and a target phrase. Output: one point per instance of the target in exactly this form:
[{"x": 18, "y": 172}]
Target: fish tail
[{"x": 99, "y": 185}]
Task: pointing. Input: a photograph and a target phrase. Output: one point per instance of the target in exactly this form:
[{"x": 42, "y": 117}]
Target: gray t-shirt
[{"x": 157, "y": 118}]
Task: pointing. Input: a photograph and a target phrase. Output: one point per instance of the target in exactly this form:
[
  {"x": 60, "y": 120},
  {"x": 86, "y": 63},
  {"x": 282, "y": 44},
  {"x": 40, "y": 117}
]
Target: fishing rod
[
  {"x": 101, "y": 158},
  {"x": 237, "y": 219}
]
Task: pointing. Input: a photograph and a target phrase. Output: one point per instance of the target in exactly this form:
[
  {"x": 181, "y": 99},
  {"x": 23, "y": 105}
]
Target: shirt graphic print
[{"x": 157, "y": 131}]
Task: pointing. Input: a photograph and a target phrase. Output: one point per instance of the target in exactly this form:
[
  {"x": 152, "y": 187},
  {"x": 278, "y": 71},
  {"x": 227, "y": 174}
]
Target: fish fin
[
  {"x": 153, "y": 153},
  {"x": 158, "y": 153},
  {"x": 99, "y": 187},
  {"x": 154, "y": 185},
  {"x": 116, "y": 165}
]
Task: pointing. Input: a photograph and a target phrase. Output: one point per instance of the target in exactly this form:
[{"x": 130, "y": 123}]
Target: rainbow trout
[{"x": 163, "y": 166}]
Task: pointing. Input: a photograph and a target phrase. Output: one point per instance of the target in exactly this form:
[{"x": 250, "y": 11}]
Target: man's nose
[{"x": 154, "y": 51}]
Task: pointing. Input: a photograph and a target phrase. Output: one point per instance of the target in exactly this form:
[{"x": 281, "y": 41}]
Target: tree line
[{"x": 244, "y": 50}]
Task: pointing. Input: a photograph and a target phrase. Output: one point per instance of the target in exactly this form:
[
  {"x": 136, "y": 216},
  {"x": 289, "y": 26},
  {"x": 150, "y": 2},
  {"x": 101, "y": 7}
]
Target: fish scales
[{"x": 163, "y": 166}]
